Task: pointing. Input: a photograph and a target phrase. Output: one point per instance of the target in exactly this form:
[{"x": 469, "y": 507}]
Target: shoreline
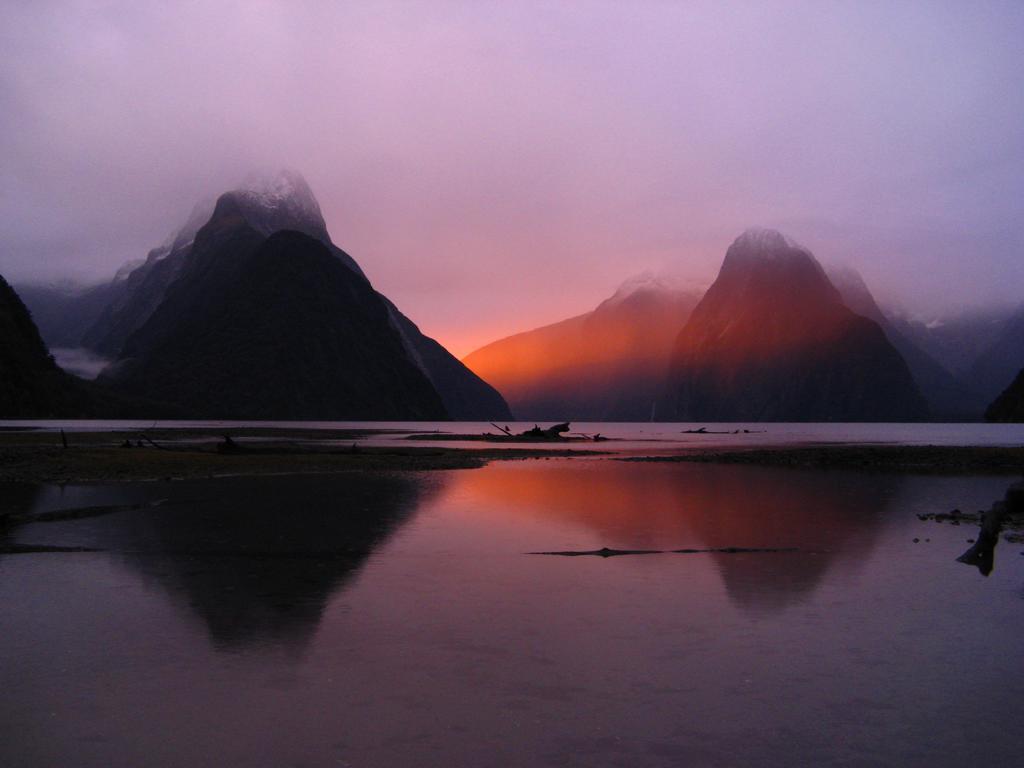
[{"x": 95, "y": 456}]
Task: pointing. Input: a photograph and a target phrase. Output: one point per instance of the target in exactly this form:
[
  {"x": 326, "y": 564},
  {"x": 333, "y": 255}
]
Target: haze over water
[{"x": 398, "y": 620}]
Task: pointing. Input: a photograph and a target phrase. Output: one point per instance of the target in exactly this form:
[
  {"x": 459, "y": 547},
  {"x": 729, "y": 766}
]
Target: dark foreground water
[{"x": 395, "y": 620}]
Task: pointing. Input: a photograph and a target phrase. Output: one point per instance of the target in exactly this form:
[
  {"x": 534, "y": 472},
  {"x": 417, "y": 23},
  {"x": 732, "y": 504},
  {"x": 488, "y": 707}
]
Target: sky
[{"x": 498, "y": 166}]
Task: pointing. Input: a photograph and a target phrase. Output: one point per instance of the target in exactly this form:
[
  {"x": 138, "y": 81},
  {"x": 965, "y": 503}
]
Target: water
[
  {"x": 396, "y": 619},
  {"x": 638, "y": 438}
]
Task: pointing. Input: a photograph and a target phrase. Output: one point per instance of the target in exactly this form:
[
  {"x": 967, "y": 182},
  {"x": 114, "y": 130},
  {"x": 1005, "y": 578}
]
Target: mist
[{"x": 493, "y": 168}]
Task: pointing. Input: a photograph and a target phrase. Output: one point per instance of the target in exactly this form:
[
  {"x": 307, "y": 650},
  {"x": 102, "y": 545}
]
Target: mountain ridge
[
  {"x": 604, "y": 365},
  {"x": 772, "y": 340},
  {"x": 136, "y": 318}
]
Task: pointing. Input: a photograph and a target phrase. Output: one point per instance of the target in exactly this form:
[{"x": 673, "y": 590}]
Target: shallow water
[
  {"x": 636, "y": 438},
  {"x": 396, "y": 619}
]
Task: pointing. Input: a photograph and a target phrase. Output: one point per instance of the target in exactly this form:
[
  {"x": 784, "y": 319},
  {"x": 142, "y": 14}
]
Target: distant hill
[
  {"x": 947, "y": 395},
  {"x": 62, "y": 312},
  {"x": 772, "y": 340},
  {"x": 955, "y": 341},
  {"x": 1009, "y": 406},
  {"x": 606, "y": 365}
]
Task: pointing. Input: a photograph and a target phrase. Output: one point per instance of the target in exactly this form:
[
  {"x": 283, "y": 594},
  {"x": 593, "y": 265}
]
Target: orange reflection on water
[{"x": 827, "y": 517}]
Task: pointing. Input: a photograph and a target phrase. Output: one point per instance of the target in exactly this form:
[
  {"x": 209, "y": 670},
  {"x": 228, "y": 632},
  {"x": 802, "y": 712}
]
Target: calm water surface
[
  {"x": 625, "y": 437},
  {"x": 396, "y": 620}
]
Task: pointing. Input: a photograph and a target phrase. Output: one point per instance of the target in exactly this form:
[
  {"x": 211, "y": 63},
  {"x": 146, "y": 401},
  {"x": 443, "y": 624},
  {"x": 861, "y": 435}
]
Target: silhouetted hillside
[
  {"x": 1009, "y": 406},
  {"x": 276, "y": 327},
  {"x": 466, "y": 396},
  {"x": 31, "y": 384}
]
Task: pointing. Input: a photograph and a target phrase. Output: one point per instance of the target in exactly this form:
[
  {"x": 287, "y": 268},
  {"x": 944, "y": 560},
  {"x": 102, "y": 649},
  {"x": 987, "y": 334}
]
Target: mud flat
[{"x": 103, "y": 456}]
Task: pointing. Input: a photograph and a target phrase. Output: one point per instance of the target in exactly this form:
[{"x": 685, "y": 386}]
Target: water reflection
[
  {"x": 829, "y": 516},
  {"x": 255, "y": 559},
  {"x": 449, "y": 646}
]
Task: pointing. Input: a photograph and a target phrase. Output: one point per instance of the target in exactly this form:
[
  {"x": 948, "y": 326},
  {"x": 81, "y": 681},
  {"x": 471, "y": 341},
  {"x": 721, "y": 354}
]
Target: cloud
[{"x": 497, "y": 165}]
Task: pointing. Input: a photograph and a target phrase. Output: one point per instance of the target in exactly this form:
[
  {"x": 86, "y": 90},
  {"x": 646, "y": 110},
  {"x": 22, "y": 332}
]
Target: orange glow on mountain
[{"x": 593, "y": 366}]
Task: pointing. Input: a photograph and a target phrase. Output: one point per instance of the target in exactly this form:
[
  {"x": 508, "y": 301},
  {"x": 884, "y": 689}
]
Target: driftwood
[
  {"x": 551, "y": 433},
  {"x": 983, "y": 552},
  {"x": 559, "y": 433},
  {"x": 606, "y": 552}
]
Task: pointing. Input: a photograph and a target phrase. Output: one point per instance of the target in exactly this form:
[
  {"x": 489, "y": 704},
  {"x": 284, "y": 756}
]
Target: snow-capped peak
[
  {"x": 765, "y": 241},
  {"x": 282, "y": 200},
  {"x": 758, "y": 247},
  {"x": 650, "y": 282}
]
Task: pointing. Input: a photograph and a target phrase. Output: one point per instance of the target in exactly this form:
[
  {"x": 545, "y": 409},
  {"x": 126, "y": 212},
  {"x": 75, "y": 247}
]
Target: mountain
[
  {"x": 606, "y": 365},
  {"x": 772, "y": 340},
  {"x": 267, "y": 203},
  {"x": 948, "y": 397},
  {"x": 958, "y": 340},
  {"x": 996, "y": 367},
  {"x": 64, "y": 312},
  {"x": 258, "y": 315},
  {"x": 466, "y": 396},
  {"x": 99, "y": 318},
  {"x": 1009, "y": 406},
  {"x": 272, "y": 327},
  {"x": 31, "y": 384}
]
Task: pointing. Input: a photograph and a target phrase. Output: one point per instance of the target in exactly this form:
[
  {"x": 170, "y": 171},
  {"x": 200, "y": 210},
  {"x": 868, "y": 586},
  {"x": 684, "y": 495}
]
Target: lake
[
  {"x": 639, "y": 437},
  {"x": 396, "y": 619}
]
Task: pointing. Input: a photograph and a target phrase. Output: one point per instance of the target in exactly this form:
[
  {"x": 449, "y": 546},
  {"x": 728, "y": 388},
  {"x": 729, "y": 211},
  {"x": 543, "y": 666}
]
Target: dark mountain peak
[
  {"x": 763, "y": 264},
  {"x": 270, "y": 203},
  {"x": 766, "y": 274},
  {"x": 758, "y": 246}
]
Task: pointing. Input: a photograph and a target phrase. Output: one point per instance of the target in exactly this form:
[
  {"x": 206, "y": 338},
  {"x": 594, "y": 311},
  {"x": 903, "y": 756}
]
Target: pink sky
[{"x": 495, "y": 166}]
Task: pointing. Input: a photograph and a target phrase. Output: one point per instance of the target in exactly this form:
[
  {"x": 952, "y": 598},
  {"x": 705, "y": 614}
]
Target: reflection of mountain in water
[
  {"x": 829, "y": 516},
  {"x": 256, "y": 559}
]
